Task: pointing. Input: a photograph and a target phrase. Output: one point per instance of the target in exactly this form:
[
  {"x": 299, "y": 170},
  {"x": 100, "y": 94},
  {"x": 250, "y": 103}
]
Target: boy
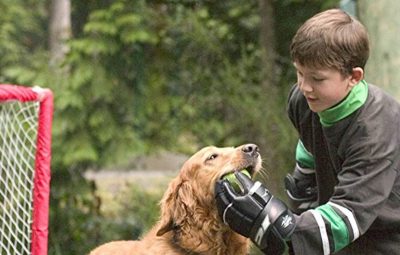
[{"x": 346, "y": 181}]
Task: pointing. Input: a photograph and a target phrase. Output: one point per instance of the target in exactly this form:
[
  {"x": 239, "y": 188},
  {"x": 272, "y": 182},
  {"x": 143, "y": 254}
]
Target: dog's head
[{"x": 190, "y": 196}]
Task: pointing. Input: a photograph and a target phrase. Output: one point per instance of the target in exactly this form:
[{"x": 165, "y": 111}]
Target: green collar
[{"x": 356, "y": 98}]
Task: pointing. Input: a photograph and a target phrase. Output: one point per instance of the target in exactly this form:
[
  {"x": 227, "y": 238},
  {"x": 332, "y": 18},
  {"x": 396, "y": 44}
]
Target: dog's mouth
[{"x": 249, "y": 168}]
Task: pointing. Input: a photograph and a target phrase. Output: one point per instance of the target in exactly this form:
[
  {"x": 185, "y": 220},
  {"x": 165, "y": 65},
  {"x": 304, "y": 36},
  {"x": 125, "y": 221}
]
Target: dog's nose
[{"x": 250, "y": 149}]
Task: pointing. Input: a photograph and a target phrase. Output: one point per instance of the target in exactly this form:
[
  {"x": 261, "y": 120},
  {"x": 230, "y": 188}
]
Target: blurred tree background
[{"x": 136, "y": 77}]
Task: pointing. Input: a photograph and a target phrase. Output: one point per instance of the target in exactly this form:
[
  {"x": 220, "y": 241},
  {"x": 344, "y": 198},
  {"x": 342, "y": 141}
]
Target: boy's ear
[{"x": 356, "y": 76}]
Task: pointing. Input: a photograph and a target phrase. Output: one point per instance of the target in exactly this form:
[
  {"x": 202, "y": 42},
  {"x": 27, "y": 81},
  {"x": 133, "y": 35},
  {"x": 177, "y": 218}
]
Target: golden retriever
[{"x": 189, "y": 221}]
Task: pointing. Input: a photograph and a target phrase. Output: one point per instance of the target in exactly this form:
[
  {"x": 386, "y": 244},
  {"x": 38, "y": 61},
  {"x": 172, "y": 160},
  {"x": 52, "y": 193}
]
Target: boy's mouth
[{"x": 311, "y": 99}]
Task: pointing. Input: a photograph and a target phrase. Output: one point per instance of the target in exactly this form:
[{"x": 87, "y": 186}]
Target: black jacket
[{"x": 357, "y": 163}]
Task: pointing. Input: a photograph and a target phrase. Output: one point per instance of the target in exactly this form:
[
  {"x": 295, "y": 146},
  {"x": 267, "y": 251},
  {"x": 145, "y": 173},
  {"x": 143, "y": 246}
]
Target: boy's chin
[{"x": 316, "y": 109}]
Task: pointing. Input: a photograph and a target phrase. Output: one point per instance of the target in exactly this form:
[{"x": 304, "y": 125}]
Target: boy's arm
[
  {"x": 325, "y": 230},
  {"x": 300, "y": 185},
  {"x": 352, "y": 209}
]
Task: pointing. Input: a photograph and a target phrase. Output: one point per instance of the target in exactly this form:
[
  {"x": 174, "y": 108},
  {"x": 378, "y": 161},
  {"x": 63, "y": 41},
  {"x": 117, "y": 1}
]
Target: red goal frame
[{"x": 41, "y": 180}]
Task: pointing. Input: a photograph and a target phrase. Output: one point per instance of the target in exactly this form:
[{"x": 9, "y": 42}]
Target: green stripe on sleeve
[
  {"x": 303, "y": 157},
  {"x": 338, "y": 227}
]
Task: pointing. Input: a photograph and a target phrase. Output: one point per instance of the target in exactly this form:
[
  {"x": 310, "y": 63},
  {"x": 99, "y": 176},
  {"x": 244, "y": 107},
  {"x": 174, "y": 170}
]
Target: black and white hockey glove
[
  {"x": 255, "y": 213},
  {"x": 301, "y": 189}
]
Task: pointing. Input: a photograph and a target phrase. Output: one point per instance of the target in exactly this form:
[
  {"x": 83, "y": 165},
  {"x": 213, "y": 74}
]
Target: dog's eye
[{"x": 212, "y": 156}]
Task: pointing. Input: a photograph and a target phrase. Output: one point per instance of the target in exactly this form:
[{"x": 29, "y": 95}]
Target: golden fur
[{"x": 189, "y": 221}]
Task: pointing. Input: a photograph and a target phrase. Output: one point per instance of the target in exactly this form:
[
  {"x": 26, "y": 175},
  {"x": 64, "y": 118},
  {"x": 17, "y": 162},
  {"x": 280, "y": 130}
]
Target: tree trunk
[
  {"x": 269, "y": 137},
  {"x": 60, "y": 30},
  {"x": 267, "y": 37},
  {"x": 383, "y": 25}
]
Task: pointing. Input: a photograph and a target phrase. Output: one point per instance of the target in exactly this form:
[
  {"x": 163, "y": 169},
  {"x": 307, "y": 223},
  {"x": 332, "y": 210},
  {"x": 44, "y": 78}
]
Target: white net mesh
[{"x": 18, "y": 133}]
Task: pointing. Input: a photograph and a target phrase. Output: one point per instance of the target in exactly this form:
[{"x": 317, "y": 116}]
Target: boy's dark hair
[{"x": 331, "y": 39}]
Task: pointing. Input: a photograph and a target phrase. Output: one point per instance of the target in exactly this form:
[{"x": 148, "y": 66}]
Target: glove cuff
[{"x": 275, "y": 219}]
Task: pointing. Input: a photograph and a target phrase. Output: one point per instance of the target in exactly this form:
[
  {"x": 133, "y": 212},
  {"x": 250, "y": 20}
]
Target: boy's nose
[{"x": 304, "y": 86}]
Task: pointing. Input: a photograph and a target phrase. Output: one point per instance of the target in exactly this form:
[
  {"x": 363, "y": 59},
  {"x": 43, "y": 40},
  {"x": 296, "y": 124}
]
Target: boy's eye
[{"x": 318, "y": 79}]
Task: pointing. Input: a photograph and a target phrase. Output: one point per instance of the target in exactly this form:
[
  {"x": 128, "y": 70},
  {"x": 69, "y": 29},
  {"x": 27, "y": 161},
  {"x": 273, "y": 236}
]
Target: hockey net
[{"x": 25, "y": 153}]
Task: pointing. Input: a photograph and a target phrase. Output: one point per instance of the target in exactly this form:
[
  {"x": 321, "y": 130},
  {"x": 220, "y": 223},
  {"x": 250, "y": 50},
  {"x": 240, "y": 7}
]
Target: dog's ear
[
  {"x": 165, "y": 226},
  {"x": 176, "y": 205}
]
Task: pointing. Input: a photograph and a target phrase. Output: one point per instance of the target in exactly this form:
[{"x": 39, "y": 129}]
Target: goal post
[{"x": 25, "y": 154}]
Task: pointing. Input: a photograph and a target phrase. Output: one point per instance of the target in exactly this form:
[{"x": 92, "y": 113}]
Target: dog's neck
[
  {"x": 175, "y": 241},
  {"x": 209, "y": 239},
  {"x": 190, "y": 223}
]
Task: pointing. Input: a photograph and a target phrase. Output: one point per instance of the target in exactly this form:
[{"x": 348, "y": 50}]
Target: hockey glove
[
  {"x": 255, "y": 213},
  {"x": 301, "y": 189}
]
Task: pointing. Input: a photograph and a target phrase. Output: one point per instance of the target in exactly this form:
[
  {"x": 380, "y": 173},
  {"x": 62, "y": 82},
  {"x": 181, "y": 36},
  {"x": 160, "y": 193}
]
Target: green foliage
[
  {"x": 145, "y": 205},
  {"x": 21, "y": 35},
  {"x": 103, "y": 107},
  {"x": 73, "y": 218},
  {"x": 78, "y": 224}
]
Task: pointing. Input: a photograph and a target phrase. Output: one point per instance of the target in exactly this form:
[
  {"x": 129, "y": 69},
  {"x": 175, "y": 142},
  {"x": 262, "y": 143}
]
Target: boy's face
[{"x": 323, "y": 88}]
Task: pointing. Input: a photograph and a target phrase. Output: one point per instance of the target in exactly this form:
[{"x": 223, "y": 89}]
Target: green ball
[{"x": 231, "y": 178}]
